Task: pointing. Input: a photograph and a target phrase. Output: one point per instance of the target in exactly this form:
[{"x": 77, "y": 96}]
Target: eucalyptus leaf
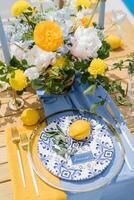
[
  {"x": 93, "y": 108},
  {"x": 49, "y": 135},
  {"x": 90, "y": 90},
  {"x": 60, "y": 130}
]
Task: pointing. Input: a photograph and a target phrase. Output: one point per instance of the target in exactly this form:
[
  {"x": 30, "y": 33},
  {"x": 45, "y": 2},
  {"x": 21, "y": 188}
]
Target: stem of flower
[
  {"x": 19, "y": 46},
  {"x": 14, "y": 96},
  {"x": 29, "y": 21},
  {"x": 61, "y": 4},
  {"x": 93, "y": 13},
  {"x": 41, "y": 7}
]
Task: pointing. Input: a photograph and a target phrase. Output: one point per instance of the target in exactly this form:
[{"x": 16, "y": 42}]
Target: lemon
[
  {"x": 30, "y": 116},
  {"x": 114, "y": 41},
  {"x": 19, "y": 81},
  {"x": 79, "y": 130}
]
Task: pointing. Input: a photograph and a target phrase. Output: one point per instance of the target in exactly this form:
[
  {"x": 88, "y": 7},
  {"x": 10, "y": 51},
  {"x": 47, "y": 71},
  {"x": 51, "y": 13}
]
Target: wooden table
[{"x": 8, "y": 117}]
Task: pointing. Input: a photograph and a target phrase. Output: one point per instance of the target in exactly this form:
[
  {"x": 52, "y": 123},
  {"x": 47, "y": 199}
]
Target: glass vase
[{"x": 15, "y": 103}]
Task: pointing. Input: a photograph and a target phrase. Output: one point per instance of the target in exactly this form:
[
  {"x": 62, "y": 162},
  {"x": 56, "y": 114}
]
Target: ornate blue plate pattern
[{"x": 92, "y": 155}]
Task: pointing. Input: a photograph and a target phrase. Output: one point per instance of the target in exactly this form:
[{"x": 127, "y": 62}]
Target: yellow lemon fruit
[
  {"x": 48, "y": 35},
  {"x": 19, "y": 7},
  {"x": 79, "y": 129},
  {"x": 30, "y": 116},
  {"x": 19, "y": 81},
  {"x": 114, "y": 41}
]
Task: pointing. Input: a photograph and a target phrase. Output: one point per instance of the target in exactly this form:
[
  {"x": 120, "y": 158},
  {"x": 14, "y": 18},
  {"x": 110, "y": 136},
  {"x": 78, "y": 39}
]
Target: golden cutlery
[
  {"x": 16, "y": 141},
  {"x": 24, "y": 145}
]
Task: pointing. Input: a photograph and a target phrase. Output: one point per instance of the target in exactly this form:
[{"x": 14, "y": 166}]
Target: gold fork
[
  {"x": 24, "y": 145},
  {"x": 16, "y": 141}
]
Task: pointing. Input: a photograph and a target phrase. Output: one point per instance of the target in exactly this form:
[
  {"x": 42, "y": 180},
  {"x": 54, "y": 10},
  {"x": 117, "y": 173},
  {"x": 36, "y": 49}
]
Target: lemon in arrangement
[
  {"x": 114, "y": 41},
  {"x": 79, "y": 129},
  {"x": 30, "y": 116}
]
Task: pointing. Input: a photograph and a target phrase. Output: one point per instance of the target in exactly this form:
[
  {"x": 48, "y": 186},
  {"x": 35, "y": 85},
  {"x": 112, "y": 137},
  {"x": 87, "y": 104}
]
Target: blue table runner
[{"x": 121, "y": 188}]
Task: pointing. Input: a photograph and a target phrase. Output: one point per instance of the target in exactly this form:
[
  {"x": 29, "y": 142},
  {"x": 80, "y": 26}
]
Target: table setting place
[{"x": 77, "y": 145}]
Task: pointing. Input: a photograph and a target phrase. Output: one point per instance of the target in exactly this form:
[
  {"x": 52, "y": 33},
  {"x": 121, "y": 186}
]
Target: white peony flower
[
  {"x": 47, "y": 4},
  {"x": 3, "y": 86},
  {"x": 85, "y": 43},
  {"x": 17, "y": 51},
  {"x": 32, "y": 73},
  {"x": 41, "y": 59}
]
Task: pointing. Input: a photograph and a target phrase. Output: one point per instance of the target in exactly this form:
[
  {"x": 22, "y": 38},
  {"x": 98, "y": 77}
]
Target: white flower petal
[
  {"x": 85, "y": 43},
  {"x": 41, "y": 59},
  {"x": 17, "y": 51},
  {"x": 32, "y": 73}
]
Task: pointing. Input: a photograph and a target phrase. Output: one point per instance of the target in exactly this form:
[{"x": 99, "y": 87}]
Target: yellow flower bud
[
  {"x": 19, "y": 7},
  {"x": 60, "y": 62},
  {"x": 85, "y": 21},
  {"x": 84, "y": 3}
]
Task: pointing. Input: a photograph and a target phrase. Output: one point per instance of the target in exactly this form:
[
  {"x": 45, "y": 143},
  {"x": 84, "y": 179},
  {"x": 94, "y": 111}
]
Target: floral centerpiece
[{"x": 50, "y": 45}]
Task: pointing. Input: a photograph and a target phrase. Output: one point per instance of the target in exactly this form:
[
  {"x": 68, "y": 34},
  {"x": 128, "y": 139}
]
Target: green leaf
[
  {"x": 15, "y": 62},
  {"x": 90, "y": 90},
  {"x": 1, "y": 63},
  {"x": 50, "y": 134},
  {"x": 104, "y": 51},
  {"x": 37, "y": 84},
  {"x": 93, "y": 108},
  {"x": 119, "y": 65},
  {"x": 24, "y": 62},
  {"x": 84, "y": 77},
  {"x": 131, "y": 67},
  {"x": 60, "y": 130}
]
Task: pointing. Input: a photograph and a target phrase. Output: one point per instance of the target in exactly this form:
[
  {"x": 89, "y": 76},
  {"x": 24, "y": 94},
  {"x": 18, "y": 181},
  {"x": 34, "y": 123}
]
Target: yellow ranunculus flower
[
  {"x": 48, "y": 35},
  {"x": 30, "y": 116},
  {"x": 84, "y": 3},
  {"x": 114, "y": 41},
  {"x": 19, "y": 7},
  {"x": 97, "y": 67},
  {"x": 60, "y": 62},
  {"x": 19, "y": 81},
  {"x": 85, "y": 21}
]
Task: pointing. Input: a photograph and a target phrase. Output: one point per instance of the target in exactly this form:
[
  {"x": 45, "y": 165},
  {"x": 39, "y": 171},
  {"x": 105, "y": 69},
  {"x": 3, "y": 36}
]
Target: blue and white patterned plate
[{"x": 93, "y": 154}]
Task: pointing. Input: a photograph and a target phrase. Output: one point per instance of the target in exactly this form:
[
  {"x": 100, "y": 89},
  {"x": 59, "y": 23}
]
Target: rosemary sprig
[{"x": 61, "y": 146}]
